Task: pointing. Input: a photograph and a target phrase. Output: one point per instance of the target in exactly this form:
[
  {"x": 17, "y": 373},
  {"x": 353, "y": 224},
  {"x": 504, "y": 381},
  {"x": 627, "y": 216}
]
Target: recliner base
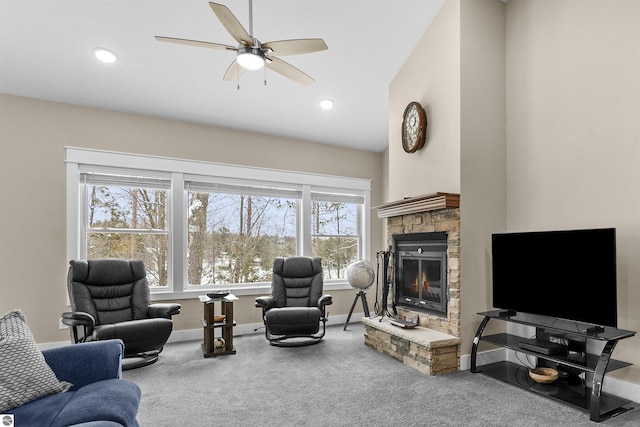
[
  {"x": 140, "y": 360},
  {"x": 295, "y": 340}
]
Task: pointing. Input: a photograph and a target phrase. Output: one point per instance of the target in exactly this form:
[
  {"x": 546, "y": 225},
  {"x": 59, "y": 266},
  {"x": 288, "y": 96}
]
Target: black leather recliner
[
  {"x": 296, "y": 309},
  {"x": 110, "y": 299}
]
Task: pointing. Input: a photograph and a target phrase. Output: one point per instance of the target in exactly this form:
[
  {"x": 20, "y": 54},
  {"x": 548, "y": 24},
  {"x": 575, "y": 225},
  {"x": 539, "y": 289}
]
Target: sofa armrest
[
  {"x": 165, "y": 310},
  {"x": 86, "y": 363}
]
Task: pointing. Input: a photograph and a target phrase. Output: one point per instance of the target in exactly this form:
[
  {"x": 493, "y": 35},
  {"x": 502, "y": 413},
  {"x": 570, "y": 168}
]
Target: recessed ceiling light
[
  {"x": 105, "y": 55},
  {"x": 326, "y": 104}
]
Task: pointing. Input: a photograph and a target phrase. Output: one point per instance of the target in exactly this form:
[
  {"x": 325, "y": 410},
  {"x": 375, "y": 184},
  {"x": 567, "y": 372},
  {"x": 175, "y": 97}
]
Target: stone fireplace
[{"x": 424, "y": 236}]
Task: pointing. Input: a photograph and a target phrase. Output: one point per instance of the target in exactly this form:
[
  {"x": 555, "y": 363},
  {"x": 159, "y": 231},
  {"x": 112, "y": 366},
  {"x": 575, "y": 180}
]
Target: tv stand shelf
[{"x": 585, "y": 396}]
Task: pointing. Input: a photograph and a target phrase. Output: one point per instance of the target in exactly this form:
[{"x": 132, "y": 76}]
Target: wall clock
[{"x": 414, "y": 127}]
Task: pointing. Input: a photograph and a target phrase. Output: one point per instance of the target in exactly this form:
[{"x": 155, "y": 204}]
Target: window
[
  {"x": 203, "y": 225},
  {"x": 235, "y": 232},
  {"x": 335, "y": 224},
  {"x": 125, "y": 215}
]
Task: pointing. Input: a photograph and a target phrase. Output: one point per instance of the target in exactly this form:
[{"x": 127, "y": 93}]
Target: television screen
[{"x": 566, "y": 274}]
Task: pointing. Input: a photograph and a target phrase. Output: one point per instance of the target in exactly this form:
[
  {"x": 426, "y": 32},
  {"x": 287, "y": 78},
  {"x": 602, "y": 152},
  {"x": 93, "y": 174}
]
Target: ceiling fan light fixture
[{"x": 250, "y": 58}]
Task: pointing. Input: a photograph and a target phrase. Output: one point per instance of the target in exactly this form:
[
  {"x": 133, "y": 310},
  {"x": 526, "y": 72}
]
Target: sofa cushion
[
  {"x": 107, "y": 400},
  {"x": 40, "y": 412},
  {"x": 24, "y": 374}
]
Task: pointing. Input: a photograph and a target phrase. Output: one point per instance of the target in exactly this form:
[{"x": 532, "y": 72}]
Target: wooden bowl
[
  {"x": 543, "y": 375},
  {"x": 219, "y": 317}
]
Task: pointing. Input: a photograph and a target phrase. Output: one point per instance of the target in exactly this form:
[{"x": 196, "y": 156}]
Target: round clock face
[{"x": 414, "y": 126}]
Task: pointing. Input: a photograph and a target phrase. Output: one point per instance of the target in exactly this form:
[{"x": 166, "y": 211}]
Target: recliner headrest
[
  {"x": 107, "y": 271},
  {"x": 296, "y": 267}
]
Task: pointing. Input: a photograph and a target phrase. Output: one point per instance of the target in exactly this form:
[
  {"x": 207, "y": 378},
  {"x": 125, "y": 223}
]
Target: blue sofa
[{"x": 99, "y": 396}]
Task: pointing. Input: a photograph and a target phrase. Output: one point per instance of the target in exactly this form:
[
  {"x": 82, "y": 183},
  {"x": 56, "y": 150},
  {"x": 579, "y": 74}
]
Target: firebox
[{"x": 421, "y": 272}]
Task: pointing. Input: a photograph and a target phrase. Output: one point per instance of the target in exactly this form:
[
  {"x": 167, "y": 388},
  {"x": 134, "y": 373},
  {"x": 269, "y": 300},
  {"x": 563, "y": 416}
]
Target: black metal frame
[
  {"x": 600, "y": 406},
  {"x": 420, "y": 247}
]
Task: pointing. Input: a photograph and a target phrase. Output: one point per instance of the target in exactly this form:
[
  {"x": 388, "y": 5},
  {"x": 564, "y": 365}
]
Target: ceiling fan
[{"x": 251, "y": 53}]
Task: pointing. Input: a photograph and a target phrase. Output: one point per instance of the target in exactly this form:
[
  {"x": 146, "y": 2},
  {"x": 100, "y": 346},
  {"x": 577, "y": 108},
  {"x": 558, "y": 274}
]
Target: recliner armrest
[
  {"x": 86, "y": 363},
  {"x": 82, "y": 325},
  {"x": 78, "y": 318},
  {"x": 325, "y": 300},
  {"x": 165, "y": 310},
  {"x": 265, "y": 302}
]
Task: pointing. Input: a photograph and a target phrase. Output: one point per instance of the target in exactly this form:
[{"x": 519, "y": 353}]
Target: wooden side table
[{"x": 210, "y": 326}]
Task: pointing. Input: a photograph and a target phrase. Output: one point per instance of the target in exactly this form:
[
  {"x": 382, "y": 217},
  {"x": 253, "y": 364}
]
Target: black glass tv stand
[{"x": 574, "y": 389}]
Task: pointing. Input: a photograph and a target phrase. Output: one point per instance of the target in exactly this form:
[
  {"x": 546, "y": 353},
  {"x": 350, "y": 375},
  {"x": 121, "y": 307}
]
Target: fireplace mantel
[{"x": 424, "y": 203}]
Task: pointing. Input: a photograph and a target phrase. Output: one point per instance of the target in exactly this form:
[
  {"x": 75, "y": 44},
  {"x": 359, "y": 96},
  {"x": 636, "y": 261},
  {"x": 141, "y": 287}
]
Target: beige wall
[
  {"x": 431, "y": 76},
  {"x": 33, "y": 135},
  {"x": 544, "y": 98},
  {"x": 573, "y": 145},
  {"x": 483, "y": 154}
]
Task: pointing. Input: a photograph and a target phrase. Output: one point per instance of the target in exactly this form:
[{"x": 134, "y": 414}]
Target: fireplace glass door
[
  {"x": 422, "y": 282},
  {"x": 422, "y": 279}
]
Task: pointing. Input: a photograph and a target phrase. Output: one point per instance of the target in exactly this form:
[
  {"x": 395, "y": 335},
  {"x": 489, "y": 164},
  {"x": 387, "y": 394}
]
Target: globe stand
[{"x": 363, "y": 295}]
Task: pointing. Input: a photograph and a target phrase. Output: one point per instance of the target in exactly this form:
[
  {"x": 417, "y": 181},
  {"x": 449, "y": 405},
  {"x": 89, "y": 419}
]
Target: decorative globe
[{"x": 361, "y": 274}]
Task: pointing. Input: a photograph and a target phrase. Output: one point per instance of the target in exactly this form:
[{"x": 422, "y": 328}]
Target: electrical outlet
[{"x": 62, "y": 325}]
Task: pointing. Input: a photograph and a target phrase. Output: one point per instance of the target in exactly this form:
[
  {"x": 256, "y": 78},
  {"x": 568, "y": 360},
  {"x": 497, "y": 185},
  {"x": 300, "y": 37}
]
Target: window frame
[
  {"x": 123, "y": 178},
  {"x": 180, "y": 171}
]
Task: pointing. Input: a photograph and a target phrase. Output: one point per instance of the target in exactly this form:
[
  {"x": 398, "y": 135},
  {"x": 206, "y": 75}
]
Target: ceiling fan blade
[
  {"x": 233, "y": 72},
  {"x": 295, "y": 46},
  {"x": 195, "y": 43},
  {"x": 288, "y": 70},
  {"x": 231, "y": 23}
]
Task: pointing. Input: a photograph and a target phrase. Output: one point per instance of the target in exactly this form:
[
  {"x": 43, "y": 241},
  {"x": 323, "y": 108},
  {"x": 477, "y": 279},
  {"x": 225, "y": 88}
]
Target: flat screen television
[{"x": 568, "y": 274}]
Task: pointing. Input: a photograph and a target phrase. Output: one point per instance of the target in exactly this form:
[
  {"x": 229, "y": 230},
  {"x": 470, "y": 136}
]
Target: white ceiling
[{"x": 46, "y": 52}]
